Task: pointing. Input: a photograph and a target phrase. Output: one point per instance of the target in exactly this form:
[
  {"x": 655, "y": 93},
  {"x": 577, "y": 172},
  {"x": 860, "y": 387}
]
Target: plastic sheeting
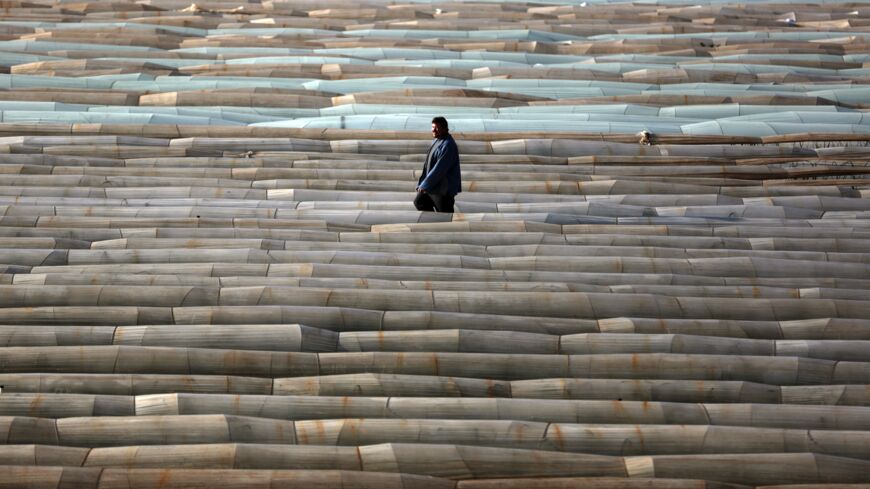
[{"x": 555, "y": 71}]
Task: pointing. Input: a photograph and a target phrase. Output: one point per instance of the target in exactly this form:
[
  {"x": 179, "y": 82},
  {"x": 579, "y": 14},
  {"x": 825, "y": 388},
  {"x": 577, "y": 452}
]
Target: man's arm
[{"x": 447, "y": 160}]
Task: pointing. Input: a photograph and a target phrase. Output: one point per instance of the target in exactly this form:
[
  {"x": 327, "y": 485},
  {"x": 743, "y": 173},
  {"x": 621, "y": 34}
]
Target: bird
[{"x": 645, "y": 138}]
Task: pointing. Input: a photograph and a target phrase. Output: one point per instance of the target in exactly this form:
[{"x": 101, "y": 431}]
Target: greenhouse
[{"x": 215, "y": 271}]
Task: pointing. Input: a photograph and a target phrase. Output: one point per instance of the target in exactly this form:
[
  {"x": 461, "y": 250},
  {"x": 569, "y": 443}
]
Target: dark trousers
[{"x": 433, "y": 202}]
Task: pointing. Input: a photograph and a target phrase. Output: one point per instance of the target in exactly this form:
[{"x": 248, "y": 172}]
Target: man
[{"x": 440, "y": 181}]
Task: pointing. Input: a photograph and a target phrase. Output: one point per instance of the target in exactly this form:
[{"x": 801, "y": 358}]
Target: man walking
[{"x": 441, "y": 180}]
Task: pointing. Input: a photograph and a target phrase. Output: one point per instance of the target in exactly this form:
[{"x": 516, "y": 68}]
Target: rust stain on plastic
[
  {"x": 640, "y": 438},
  {"x": 310, "y": 385},
  {"x": 558, "y": 436},
  {"x": 302, "y": 436},
  {"x": 490, "y": 387},
  {"x": 400, "y": 360},
  {"x": 663, "y": 325},
  {"x": 230, "y": 358},
  {"x": 354, "y": 426},
  {"x": 165, "y": 478},
  {"x": 434, "y": 358},
  {"x": 518, "y": 434},
  {"x": 35, "y": 404}
]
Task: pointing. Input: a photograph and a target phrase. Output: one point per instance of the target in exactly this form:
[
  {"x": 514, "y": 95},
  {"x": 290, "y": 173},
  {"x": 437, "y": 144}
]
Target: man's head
[{"x": 439, "y": 127}]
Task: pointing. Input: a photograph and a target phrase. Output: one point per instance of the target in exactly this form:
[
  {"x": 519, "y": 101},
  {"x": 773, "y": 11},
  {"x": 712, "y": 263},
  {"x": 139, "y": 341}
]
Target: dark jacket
[{"x": 443, "y": 176}]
